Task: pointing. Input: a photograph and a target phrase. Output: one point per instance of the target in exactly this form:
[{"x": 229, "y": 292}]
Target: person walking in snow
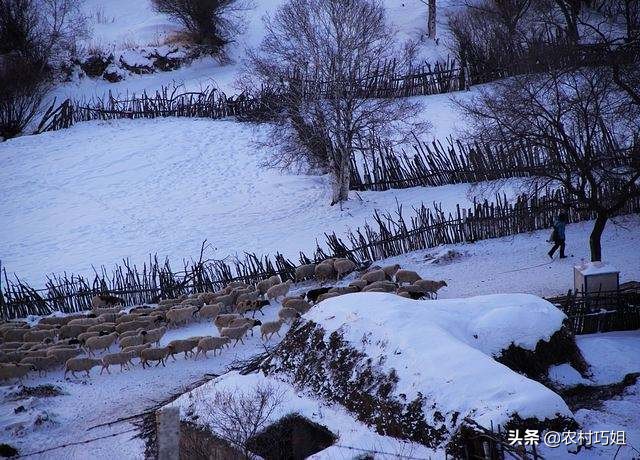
[{"x": 557, "y": 236}]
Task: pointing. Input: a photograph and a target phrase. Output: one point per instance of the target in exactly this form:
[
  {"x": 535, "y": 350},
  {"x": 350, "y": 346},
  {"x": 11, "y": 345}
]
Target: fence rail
[{"x": 387, "y": 236}]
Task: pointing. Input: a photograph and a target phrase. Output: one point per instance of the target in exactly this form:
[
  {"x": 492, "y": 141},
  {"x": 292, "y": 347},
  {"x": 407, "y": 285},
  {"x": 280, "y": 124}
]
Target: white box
[{"x": 593, "y": 277}]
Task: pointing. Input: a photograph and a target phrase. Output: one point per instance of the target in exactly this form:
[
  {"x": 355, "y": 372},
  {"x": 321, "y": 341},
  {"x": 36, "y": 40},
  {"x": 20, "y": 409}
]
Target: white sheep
[
  {"x": 101, "y": 343},
  {"x": 39, "y": 336},
  {"x": 245, "y": 321},
  {"x": 385, "y": 286},
  {"x": 122, "y": 358},
  {"x": 206, "y": 344},
  {"x": 132, "y": 340},
  {"x": 154, "y": 335},
  {"x": 343, "y": 267},
  {"x": 279, "y": 290},
  {"x": 154, "y": 354},
  {"x": 406, "y": 276},
  {"x": 15, "y": 371},
  {"x": 103, "y": 327},
  {"x": 71, "y": 331},
  {"x": 263, "y": 286},
  {"x": 360, "y": 284},
  {"x": 288, "y": 314},
  {"x": 248, "y": 296},
  {"x": 74, "y": 365},
  {"x": 185, "y": 346},
  {"x": 390, "y": 270},
  {"x": 430, "y": 286},
  {"x": 61, "y": 355},
  {"x": 84, "y": 321},
  {"x": 327, "y": 295},
  {"x": 40, "y": 363},
  {"x": 87, "y": 335},
  {"x": 134, "y": 350},
  {"x": 210, "y": 311},
  {"x": 374, "y": 275},
  {"x": 224, "y": 320},
  {"x": 235, "y": 333},
  {"x": 305, "y": 272},
  {"x": 324, "y": 271},
  {"x": 297, "y": 303},
  {"x": 269, "y": 328}
]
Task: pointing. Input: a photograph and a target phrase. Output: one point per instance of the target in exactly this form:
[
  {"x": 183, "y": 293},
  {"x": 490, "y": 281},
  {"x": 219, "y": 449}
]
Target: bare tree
[
  {"x": 321, "y": 54},
  {"x": 238, "y": 416},
  {"x": 582, "y": 126},
  {"x": 431, "y": 18},
  {"x": 213, "y": 23}
]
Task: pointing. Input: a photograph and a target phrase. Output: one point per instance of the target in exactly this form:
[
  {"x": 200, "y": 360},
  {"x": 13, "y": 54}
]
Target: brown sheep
[{"x": 406, "y": 276}]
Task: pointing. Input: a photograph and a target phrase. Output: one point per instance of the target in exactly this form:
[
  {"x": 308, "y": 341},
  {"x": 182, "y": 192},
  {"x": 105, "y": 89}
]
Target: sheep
[
  {"x": 343, "y": 267},
  {"x": 154, "y": 354},
  {"x": 227, "y": 300},
  {"x": 360, "y": 284},
  {"x": 224, "y": 320},
  {"x": 39, "y": 336},
  {"x": 324, "y": 271},
  {"x": 14, "y": 335},
  {"x": 275, "y": 279},
  {"x": 404, "y": 294},
  {"x": 74, "y": 365},
  {"x": 133, "y": 325},
  {"x": 245, "y": 321},
  {"x": 185, "y": 346},
  {"x": 288, "y": 314},
  {"x": 105, "y": 300},
  {"x": 206, "y": 344},
  {"x": 132, "y": 340},
  {"x": 210, "y": 311},
  {"x": 84, "y": 321},
  {"x": 87, "y": 335},
  {"x": 154, "y": 335},
  {"x": 106, "y": 311},
  {"x": 61, "y": 355},
  {"x": 390, "y": 270},
  {"x": 375, "y": 275},
  {"x": 252, "y": 295},
  {"x": 251, "y": 306},
  {"x": 305, "y": 272},
  {"x": 15, "y": 371},
  {"x": 236, "y": 333},
  {"x": 127, "y": 318},
  {"x": 13, "y": 356},
  {"x": 313, "y": 294},
  {"x": 300, "y": 305},
  {"x": 406, "y": 276},
  {"x": 44, "y": 327},
  {"x": 40, "y": 363},
  {"x": 269, "y": 328},
  {"x": 168, "y": 302},
  {"x": 135, "y": 350},
  {"x": 122, "y": 358},
  {"x": 99, "y": 343},
  {"x": 208, "y": 297},
  {"x": 177, "y": 316},
  {"x": 55, "y": 320},
  {"x": 279, "y": 290},
  {"x": 385, "y": 286},
  {"x": 263, "y": 286},
  {"x": 102, "y": 327},
  {"x": 72, "y": 331},
  {"x": 327, "y": 295},
  {"x": 129, "y": 333},
  {"x": 344, "y": 290},
  {"x": 195, "y": 302},
  {"x": 430, "y": 286}
]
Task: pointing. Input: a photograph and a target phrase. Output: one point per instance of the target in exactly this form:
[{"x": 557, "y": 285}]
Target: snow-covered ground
[{"x": 103, "y": 191}]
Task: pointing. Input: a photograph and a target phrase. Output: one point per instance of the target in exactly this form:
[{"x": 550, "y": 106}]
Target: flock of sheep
[{"x": 73, "y": 341}]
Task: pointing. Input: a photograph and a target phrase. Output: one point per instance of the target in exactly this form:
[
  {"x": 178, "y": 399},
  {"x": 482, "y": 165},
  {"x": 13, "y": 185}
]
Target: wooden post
[{"x": 168, "y": 433}]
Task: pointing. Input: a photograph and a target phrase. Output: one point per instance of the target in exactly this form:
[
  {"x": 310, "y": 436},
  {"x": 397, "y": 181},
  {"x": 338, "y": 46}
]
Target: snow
[
  {"x": 612, "y": 355},
  {"x": 350, "y": 432},
  {"x": 103, "y": 191},
  {"x": 106, "y": 398},
  {"x": 445, "y": 349},
  {"x": 596, "y": 268}
]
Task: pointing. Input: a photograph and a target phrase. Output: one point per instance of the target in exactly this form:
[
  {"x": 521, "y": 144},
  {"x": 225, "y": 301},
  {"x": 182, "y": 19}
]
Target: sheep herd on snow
[{"x": 74, "y": 341}]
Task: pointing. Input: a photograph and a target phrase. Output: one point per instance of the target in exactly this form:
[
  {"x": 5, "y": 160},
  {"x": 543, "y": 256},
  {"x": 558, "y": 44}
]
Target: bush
[
  {"x": 212, "y": 23},
  {"x": 23, "y": 86}
]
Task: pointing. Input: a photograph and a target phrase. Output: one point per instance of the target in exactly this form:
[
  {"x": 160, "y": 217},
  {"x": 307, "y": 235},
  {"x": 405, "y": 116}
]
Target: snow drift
[{"x": 416, "y": 369}]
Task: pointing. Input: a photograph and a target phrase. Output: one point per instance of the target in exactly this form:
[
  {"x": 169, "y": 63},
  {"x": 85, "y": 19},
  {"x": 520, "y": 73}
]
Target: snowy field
[{"x": 103, "y": 191}]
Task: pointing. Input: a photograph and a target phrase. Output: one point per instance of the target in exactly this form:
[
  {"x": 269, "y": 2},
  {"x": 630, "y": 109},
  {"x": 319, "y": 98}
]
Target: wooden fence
[
  {"x": 603, "y": 311},
  {"x": 387, "y": 236}
]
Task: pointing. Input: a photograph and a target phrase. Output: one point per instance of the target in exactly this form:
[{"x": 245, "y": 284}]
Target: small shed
[{"x": 594, "y": 277}]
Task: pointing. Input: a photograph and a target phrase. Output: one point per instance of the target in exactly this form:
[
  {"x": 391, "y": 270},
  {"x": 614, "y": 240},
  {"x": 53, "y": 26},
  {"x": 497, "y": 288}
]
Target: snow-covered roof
[
  {"x": 445, "y": 349},
  {"x": 596, "y": 268}
]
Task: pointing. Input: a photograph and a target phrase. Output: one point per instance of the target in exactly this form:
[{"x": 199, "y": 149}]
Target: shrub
[{"x": 212, "y": 23}]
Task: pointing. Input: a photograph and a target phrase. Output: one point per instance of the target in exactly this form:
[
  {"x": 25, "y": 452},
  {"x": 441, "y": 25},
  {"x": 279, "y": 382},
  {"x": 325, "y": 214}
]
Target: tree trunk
[
  {"x": 431, "y": 25},
  {"x": 596, "y": 235},
  {"x": 342, "y": 177}
]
